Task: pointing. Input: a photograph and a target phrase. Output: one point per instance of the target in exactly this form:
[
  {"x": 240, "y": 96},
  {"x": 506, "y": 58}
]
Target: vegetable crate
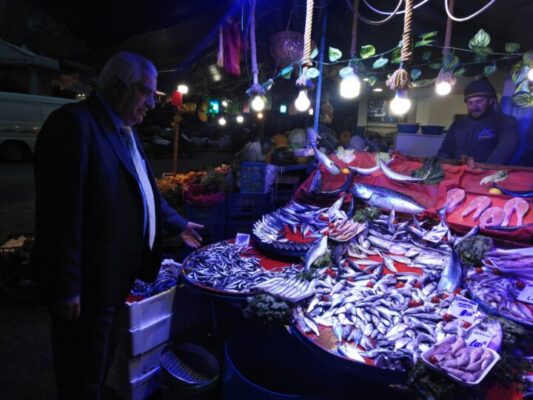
[
  {"x": 213, "y": 219},
  {"x": 257, "y": 177},
  {"x": 248, "y": 205}
]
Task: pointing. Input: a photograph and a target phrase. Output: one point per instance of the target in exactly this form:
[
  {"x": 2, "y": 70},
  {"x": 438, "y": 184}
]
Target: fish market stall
[{"x": 388, "y": 263}]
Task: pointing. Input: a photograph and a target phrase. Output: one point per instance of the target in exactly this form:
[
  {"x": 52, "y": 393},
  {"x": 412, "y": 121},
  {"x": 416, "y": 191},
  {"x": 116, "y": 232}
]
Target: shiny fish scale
[{"x": 222, "y": 266}]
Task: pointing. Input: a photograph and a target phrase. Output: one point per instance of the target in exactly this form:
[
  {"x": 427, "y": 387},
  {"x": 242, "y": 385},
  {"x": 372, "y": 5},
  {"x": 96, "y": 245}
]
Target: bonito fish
[
  {"x": 395, "y": 176},
  {"x": 386, "y": 199}
]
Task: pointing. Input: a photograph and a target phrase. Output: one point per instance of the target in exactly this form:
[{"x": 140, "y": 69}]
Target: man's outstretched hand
[{"x": 190, "y": 236}]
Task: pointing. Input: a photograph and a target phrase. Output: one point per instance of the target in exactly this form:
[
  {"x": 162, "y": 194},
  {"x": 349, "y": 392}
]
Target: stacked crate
[{"x": 134, "y": 374}]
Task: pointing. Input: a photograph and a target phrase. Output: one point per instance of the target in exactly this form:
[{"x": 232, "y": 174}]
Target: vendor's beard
[{"x": 480, "y": 116}]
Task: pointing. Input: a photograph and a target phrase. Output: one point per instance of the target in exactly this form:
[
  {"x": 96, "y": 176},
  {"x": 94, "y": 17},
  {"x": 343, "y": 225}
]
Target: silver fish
[
  {"x": 386, "y": 199},
  {"x": 326, "y": 162},
  {"x": 451, "y": 277},
  {"x": 389, "y": 173},
  {"x": 316, "y": 251}
]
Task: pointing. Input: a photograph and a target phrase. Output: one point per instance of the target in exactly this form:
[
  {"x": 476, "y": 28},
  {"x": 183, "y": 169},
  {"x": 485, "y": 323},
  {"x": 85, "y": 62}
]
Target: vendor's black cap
[{"x": 479, "y": 88}]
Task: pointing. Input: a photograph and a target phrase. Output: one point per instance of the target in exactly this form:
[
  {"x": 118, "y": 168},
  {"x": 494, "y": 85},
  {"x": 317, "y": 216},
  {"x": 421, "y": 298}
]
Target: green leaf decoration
[
  {"x": 450, "y": 61},
  {"x": 523, "y": 99},
  {"x": 314, "y": 53},
  {"x": 389, "y": 75},
  {"x": 426, "y": 56},
  {"x": 424, "y": 42},
  {"x": 460, "y": 72},
  {"x": 520, "y": 74},
  {"x": 415, "y": 74},
  {"x": 480, "y": 39},
  {"x": 482, "y": 51},
  {"x": 372, "y": 80},
  {"x": 396, "y": 56},
  {"x": 367, "y": 51},
  {"x": 511, "y": 47},
  {"x": 286, "y": 72},
  {"x": 344, "y": 72},
  {"x": 436, "y": 65},
  {"x": 268, "y": 85},
  {"x": 334, "y": 54},
  {"x": 489, "y": 70},
  {"x": 380, "y": 63},
  {"x": 428, "y": 35},
  {"x": 312, "y": 73}
]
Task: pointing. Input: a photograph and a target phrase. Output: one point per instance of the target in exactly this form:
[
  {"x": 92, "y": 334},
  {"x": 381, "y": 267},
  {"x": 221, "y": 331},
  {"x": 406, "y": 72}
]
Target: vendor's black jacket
[{"x": 492, "y": 139}]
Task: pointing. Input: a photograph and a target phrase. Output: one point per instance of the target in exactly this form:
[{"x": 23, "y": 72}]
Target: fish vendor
[{"x": 486, "y": 134}]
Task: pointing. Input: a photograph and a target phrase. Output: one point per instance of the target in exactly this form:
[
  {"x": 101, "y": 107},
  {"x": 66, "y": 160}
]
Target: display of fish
[
  {"x": 454, "y": 198},
  {"x": 492, "y": 216},
  {"x": 515, "y": 193},
  {"x": 223, "y": 266},
  {"x": 477, "y": 206},
  {"x": 498, "y": 176},
  {"x": 292, "y": 290},
  {"x": 515, "y": 205},
  {"x": 466, "y": 364},
  {"x": 395, "y": 176},
  {"x": 386, "y": 199}
]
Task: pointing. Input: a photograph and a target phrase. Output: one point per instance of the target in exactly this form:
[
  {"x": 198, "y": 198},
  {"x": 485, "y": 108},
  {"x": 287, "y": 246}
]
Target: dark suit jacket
[{"x": 89, "y": 210}]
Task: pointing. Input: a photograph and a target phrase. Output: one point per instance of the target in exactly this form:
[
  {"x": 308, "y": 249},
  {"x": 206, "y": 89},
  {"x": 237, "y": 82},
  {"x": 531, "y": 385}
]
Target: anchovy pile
[
  {"x": 500, "y": 292},
  {"x": 223, "y": 266}
]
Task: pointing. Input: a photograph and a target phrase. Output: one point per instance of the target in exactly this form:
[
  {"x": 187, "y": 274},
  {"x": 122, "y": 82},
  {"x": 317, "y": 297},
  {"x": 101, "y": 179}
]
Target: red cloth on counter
[{"x": 432, "y": 197}]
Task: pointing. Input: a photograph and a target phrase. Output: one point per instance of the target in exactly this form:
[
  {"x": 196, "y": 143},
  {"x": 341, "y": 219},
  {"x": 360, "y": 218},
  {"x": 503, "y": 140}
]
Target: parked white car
[{"x": 21, "y": 118}]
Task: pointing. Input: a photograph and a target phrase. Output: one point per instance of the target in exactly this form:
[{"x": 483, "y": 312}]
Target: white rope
[
  {"x": 490, "y": 3},
  {"x": 390, "y": 13},
  {"x": 370, "y": 22},
  {"x": 307, "y": 35}
]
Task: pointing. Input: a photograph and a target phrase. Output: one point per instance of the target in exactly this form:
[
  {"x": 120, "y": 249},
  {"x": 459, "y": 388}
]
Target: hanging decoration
[
  {"x": 446, "y": 78},
  {"x": 400, "y": 79},
  {"x": 304, "y": 82},
  {"x": 256, "y": 91}
]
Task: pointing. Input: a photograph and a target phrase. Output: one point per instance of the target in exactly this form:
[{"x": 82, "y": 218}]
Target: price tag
[
  {"x": 242, "y": 239},
  {"x": 436, "y": 234},
  {"x": 479, "y": 338},
  {"x": 463, "y": 308},
  {"x": 526, "y": 295}
]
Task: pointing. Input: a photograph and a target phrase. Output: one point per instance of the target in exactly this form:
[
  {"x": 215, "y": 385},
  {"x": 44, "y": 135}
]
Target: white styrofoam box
[
  {"x": 137, "y": 341},
  {"x": 129, "y": 369},
  {"x": 139, "y": 389},
  {"x": 147, "y": 311}
]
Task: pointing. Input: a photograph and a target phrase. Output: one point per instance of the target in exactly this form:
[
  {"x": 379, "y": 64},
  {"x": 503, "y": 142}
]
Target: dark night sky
[{"x": 169, "y": 31}]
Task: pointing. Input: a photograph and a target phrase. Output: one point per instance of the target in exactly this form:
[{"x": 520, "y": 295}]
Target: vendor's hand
[
  {"x": 68, "y": 309},
  {"x": 190, "y": 236}
]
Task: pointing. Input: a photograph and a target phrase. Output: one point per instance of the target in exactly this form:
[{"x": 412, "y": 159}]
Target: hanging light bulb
[
  {"x": 311, "y": 111},
  {"x": 183, "y": 89},
  {"x": 239, "y": 119},
  {"x": 401, "y": 103},
  {"x": 302, "y": 102},
  {"x": 443, "y": 88},
  {"x": 222, "y": 121},
  {"x": 259, "y": 115},
  {"x": 258, "y": 103},
  {"x": 530, "y": 74},
  {"x": 350, "y": 86}
]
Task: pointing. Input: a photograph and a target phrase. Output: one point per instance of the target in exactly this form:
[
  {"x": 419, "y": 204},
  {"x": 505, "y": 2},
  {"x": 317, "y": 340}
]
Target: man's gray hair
[{"x": 126, "y": 66}]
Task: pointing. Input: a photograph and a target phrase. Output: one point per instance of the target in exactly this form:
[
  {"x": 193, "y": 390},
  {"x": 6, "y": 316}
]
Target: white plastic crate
[
  {"x": 137, "y": 341},
  {"x": 147, "y": 311},
  {"x": 128, "y": 369},
  {"x": 139, "y": 389}
]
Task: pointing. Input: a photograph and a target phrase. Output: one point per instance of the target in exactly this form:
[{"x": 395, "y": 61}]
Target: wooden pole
[{"x": 177, "y": 119}]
